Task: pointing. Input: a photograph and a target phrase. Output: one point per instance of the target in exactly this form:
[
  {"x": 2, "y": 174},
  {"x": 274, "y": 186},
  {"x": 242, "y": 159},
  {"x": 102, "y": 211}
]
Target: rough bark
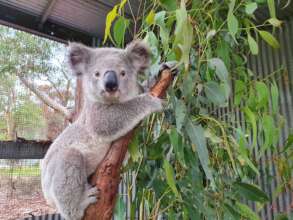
[{"x": 107, "y": 175}]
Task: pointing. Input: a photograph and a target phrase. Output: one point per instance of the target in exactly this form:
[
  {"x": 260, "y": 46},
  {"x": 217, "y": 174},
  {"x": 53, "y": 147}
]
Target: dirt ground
[{"x": 21, "y": 198}]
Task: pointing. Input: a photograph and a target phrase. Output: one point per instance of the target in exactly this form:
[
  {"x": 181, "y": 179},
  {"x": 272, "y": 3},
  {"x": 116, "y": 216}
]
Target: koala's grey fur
[{"x": 105, "y": 117}]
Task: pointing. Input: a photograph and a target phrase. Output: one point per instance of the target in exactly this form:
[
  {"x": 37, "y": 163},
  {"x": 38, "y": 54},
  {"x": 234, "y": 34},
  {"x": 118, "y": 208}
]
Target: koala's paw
[
  {"x": 172, "y": 65},
  {"x": 157, "y": 104},
  {"x": 91, "y": 195}
]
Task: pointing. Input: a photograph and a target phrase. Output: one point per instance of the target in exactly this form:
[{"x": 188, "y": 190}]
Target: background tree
[{"x": 27, "y": 64}]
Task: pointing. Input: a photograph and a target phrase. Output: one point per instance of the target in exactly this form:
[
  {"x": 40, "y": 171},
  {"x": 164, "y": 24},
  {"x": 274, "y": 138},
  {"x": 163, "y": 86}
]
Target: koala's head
[{"x": 109, "y": 74}]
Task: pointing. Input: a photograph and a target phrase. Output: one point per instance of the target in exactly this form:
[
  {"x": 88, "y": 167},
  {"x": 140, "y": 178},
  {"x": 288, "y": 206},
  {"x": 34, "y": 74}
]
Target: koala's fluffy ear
[
  {"x": 78, "y": 56},
  {"x": 139, "y": 54}
]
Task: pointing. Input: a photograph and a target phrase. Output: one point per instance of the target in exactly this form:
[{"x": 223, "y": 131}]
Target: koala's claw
[
  {"x": 91, "y": 195},
  {"x": 172, "y": 65},
  {"x": 93, "y": 191}
]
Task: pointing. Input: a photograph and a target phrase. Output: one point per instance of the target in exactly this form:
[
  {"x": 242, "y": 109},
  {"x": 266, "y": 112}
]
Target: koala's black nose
[{"x": 111, "y": 81}]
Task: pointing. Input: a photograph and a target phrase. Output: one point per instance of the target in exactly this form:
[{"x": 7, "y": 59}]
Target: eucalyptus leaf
[
  {"x": 183, "y": 35},
  {"x": 240, "y": 89},
  {"x": 120, "y": 210},
  {"x": 253, "y": 46},
  {"x": 218, "y": 65},
  {"x": 180, "y": 114},
  {"x": 251, "y": 192},
  {"x": 197, "y": 138},
  {"x": 150, "y": 19},
  {"x": 170, "y": 177},
  {"x": 268, "y": 128},
  {"x": 262, "y": 93},
  {"x": 252, "y": 119},
  {"x": 275, "y": 22},
  {"x": 232, "y": 20},
  {"x": 275, "y": 97},
  {"x": 178, "y": 146},
  {"x": 119, "y": 30},
  {"x": 246, "y": 211},
  {"x": 133, "y": 149},
  {"x": 170, "y": 5},
  {"x": 215, "y": 93},
  {"x": 269, "y": 38},
  {"x": 250, "y": 8},
  {"x": 272, "y": 8},
  {"x": 232, "y": 24}
]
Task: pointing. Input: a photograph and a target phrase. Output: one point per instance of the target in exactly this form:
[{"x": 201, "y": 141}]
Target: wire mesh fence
[
  {"x": 20, "y": 190},
  {"x": 24, "y": 117}
]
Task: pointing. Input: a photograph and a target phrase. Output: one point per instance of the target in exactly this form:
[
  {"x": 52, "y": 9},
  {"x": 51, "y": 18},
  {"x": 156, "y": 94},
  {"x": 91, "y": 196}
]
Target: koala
[{"x": 113, "y": 105}]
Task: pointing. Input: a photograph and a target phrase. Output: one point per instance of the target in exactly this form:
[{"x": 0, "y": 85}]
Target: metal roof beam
[{"x": 47, "y": 11}]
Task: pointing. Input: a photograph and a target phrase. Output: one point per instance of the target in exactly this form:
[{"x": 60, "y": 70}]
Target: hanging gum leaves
[
  {"x": 197, "y": 138},
  {"x": 251, "y": 192},
  {"x": 111, "y": 16},
  {"x": 215, "y": 93},
  {"x": 119, "y": 30},
  {"x": 199, "y": 159},
  {"x": 250, "y": 8},
  {"x": 272, "y": 8},
  {"x": 170, "y": 177},
  {"x": 183, "y": 35},
  {"x": 253, "y": 46},
  {"x": 269, "y": 38},
  {"x": 275, "y": 97},
  {"x": 232, "y": 20},
  {"x": 150, "y": 17},
  {"x": 218, "y": 65},
  {"x": 252, "y": 120}
]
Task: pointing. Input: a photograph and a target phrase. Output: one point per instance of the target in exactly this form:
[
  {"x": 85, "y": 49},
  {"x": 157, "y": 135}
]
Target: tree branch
[
  {"x": 107, "y": 175},
  {"x": 45, "y": 98}
]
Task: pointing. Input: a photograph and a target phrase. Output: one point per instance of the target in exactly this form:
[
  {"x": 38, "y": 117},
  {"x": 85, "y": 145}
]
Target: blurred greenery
[
  {"x": 40, "y": 61},
  {"x": 200, "y": 158},
  {"x": 25, "y": 171}
]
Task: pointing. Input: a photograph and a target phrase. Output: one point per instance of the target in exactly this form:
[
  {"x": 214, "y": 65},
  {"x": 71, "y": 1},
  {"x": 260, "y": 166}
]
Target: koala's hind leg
[{"x": 70, "y": 190}]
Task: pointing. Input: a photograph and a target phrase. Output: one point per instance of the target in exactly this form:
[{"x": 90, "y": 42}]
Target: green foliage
[
  {"x": 193, "y": 161},
  {"x": 120, "y": 209}
]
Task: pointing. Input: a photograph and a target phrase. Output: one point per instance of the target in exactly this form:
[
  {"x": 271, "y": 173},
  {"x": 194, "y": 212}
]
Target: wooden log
[{"x": 107, "y": 175}]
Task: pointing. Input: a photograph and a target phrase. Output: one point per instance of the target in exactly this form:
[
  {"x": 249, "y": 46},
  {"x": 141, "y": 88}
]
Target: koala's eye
[
  {"x": 123, "y": 73},
  {"x": 97, "y": 74}
]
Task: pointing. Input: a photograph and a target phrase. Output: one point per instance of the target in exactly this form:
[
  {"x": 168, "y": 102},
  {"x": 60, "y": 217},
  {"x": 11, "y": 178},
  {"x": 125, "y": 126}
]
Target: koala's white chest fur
[{"x": 93, "y": 153}]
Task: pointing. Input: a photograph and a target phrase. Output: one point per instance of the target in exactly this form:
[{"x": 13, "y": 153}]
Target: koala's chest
[{"x": 93, "y": 155}]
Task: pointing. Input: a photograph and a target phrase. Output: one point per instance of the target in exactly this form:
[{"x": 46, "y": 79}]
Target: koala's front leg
[{"x": 125, "y": 116}]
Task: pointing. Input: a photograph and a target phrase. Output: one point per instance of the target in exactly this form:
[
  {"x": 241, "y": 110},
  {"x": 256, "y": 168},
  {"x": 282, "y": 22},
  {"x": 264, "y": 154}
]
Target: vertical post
[{"x": 78, "y": 99}]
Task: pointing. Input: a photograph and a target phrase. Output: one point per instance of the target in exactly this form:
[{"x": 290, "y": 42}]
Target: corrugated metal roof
[
  {"x": 88, "y": 16},
  {"x": 85, "y": 16},
  {"x": 33, "y": 7}
]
